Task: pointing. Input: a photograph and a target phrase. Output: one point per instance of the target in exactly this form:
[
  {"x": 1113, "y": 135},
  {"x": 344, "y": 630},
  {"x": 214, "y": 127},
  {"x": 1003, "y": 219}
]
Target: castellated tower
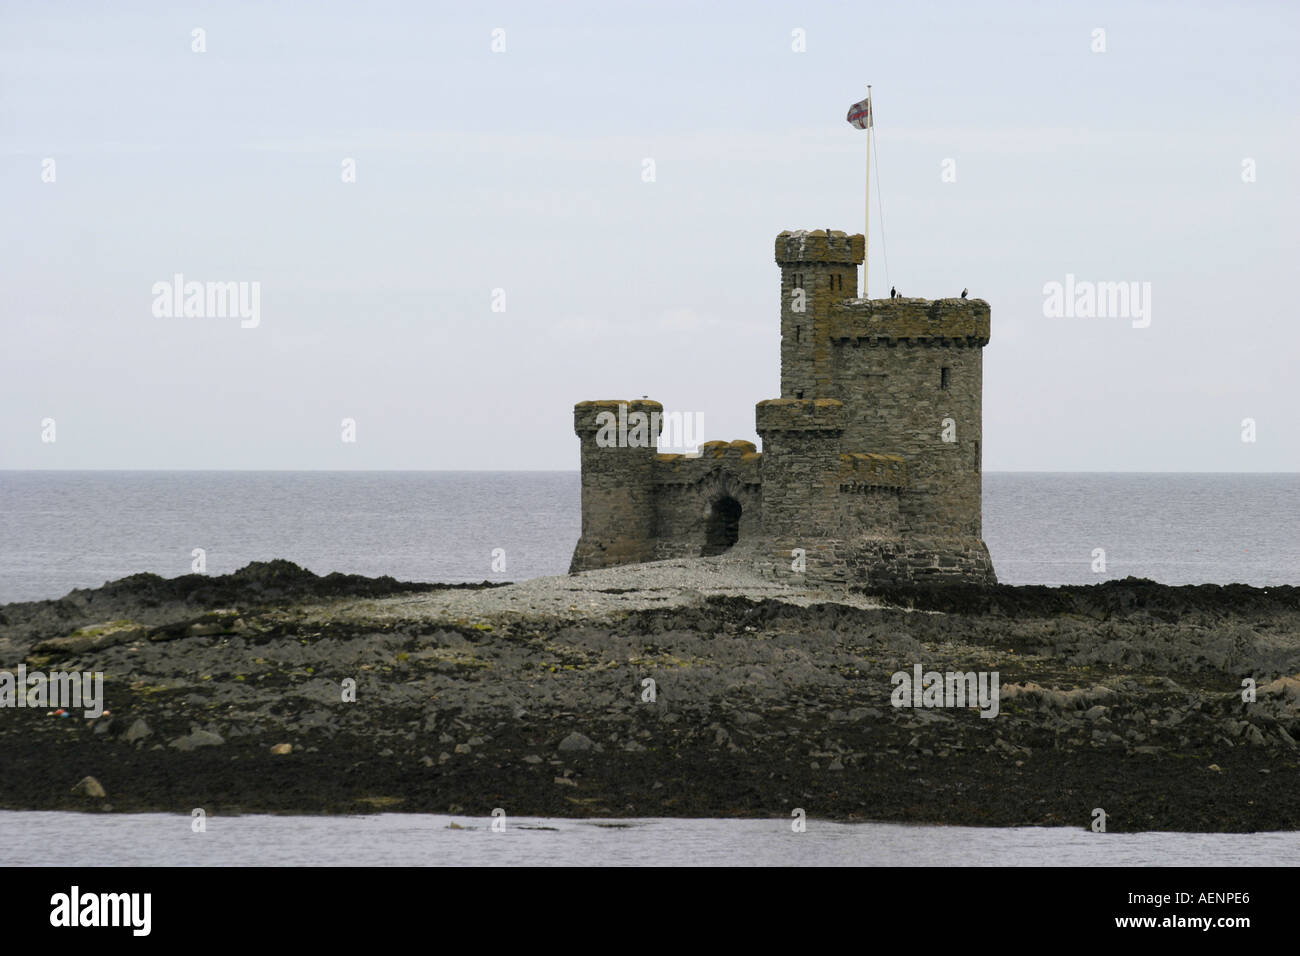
[
  {"x": 897, "y": 384},
  {"x": 618, "y": 507},
  {"x": 870, "y": 469}
]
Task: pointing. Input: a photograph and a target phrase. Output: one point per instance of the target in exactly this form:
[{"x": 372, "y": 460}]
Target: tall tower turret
[
  {"x": 818, "y": 270},
  {"x": 620, "y": 440}
]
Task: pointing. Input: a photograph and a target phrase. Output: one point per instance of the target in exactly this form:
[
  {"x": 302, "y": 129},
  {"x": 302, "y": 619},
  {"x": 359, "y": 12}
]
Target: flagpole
[{"x": 866, "y": 225}]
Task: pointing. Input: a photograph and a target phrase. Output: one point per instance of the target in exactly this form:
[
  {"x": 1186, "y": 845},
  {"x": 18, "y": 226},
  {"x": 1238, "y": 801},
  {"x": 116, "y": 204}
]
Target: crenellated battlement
[
  {"x": 817, "y": 246},
  {"x": 958, "y": 320},
  {"x": 859, "y": 470},
  {"x": 799, "y": 414},
  {"x": 590, "y": 417},
  {"x": 738, "y": 458},
  {"x": 727, "y": 449}
]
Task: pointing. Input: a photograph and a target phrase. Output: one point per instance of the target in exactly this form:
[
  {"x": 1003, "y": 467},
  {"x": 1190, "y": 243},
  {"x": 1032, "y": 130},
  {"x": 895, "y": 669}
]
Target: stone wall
[
  {"x": 870, "y": 488},
  {"x": 689, "y": 487},
  {"x": 618, "y": 501},
  {"x": 878, "y": 561},
  {"x": 966, "y": 320},
  {"x": 801, "y": 465},
  {"x": 913, "y": 560},
  {"x": 895, "y": 401}
]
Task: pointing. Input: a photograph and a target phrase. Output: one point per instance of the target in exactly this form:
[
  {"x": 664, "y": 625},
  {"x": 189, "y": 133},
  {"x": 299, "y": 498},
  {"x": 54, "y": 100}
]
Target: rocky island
[{"x": 690, "y": 687}]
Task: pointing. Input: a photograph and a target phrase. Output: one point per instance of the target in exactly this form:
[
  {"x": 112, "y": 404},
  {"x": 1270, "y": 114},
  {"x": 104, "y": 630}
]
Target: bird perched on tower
[
  {"x": 892, "y": 292},
  {"x": 963, "y": 293}
]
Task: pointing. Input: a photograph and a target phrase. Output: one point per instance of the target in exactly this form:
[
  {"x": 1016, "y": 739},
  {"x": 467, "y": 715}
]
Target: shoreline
[{"x": 1124, "y": 695}]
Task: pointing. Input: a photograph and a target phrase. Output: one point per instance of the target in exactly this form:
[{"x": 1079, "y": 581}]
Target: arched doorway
[{"x": 723, "y": 527}]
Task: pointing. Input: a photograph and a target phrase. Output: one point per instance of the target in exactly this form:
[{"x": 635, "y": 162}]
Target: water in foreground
[{"x": 154, "y": 839}]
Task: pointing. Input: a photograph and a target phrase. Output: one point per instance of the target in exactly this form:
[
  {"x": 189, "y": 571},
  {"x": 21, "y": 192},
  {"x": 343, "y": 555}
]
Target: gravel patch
[{"x": 596, "y": 595}]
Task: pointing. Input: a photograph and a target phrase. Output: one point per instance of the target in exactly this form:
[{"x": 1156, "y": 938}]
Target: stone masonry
[{"x": 870, "y": 469}]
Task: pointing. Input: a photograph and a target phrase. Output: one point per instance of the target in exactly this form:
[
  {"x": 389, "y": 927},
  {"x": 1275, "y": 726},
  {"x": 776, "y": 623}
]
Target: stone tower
[
  {"x": 896, "y": 385},
  {"x": 618, "y": 506},
  {"x": 871, "y": 461}
]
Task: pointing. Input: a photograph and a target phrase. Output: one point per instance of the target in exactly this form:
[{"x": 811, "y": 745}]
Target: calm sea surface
[
  {"x": 60, "y": 530},
  {"x": 72, "y": 839}
]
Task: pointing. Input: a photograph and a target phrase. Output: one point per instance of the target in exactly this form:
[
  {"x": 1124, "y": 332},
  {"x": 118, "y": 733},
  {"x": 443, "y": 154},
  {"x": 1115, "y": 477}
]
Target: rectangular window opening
[{"x": 945, "y": 375}]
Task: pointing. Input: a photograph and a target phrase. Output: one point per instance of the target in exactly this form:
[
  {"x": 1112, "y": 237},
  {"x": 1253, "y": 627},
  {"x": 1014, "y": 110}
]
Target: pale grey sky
[{"x": 522, "y": 170}]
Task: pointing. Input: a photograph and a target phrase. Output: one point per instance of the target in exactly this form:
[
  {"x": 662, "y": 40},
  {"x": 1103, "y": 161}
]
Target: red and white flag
[{"x": 860, "y": 114}]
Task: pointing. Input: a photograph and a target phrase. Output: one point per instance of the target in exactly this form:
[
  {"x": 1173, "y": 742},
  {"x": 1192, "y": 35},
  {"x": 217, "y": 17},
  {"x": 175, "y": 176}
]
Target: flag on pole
[{"x": 860, "y": 114}]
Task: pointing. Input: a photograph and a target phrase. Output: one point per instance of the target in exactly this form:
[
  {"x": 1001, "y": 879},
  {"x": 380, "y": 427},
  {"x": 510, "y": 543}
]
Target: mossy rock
[{"x": 91, "y": 638}]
